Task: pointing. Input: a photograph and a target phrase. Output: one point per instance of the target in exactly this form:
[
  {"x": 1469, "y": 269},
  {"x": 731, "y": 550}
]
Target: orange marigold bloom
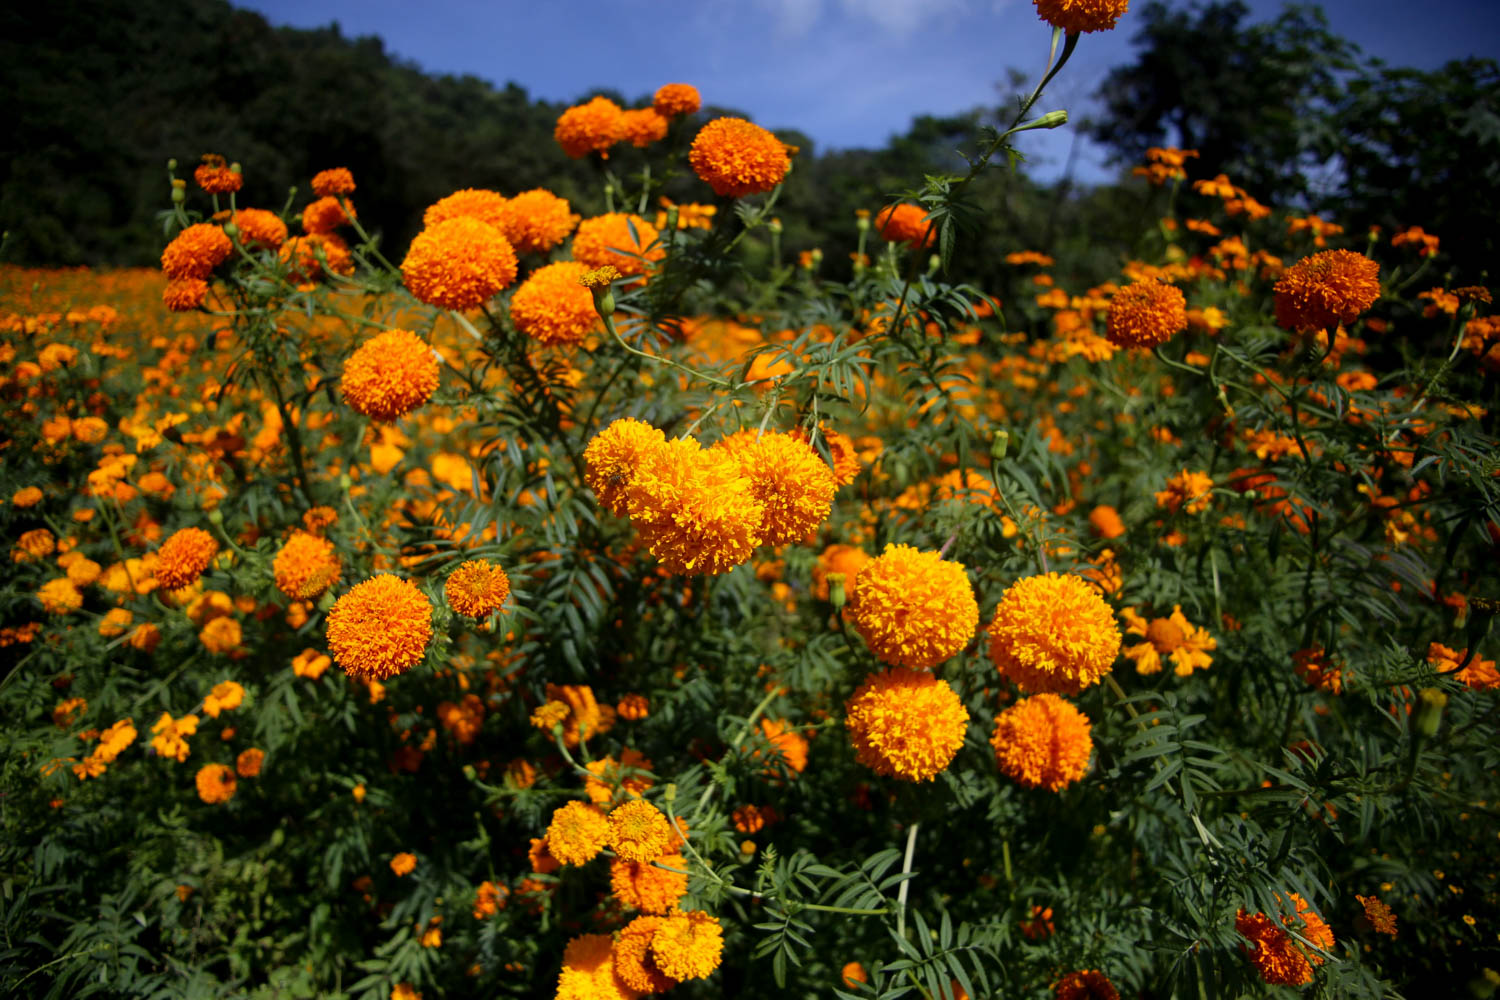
[
  {"x": 184, "y": 294},
  {"x": 489, "y": 899},
  {"x": 853, "y": 973},
  {"x": 606, "y": 240},
  {"x": 788, "y": 478},
  {"x": 589, "y": 128},
  {"x": 221, "y": 635},
  {"x": 306, "y": 566},
  {"x": 1090, "y": 984},
  {"x": 643, "y": 886},
  {"x": 326, "y": 214},
  {"x": 1190, "y": 492},
  {"x": 1146, "y": 313},
  {"x": 1106, "y": 522},
  {"x": 673, "y": 99},
  {"x": 906, "y": 223},
  {"x": 380, "y": 628},
  {"x": 1053, "y": 633},
  {"x": 1042, "y": 742},
  {"x": 182, "y": 558},
  {"x": 536, "y": 221},
  {"x": 694, "y": 509},
  {"x": 643, "y": 127},
  {"x": 1378, "y": 915},
  {"x": 1478, "y": 675},
  {"x": 247, "y": 764},
  {"x": 633, "y": 707},
  {"x": 225, "y": 695},
  {"x": 1326, "y": 290},
  {"x": 114, "y": 740},
  {"x": 1174, "y": 638},
  {"x": 634, "y": 963},
  {"x": 59, "y": 596},
  {"x": 789, "y": 744},
  {"x": 906, "y": 724},
  {"x": 638, "y": 831},
  {"x": 215, "y": 177},
  {"x": 391, "y": 374},
  {"x": 736, "y": 157},
  {"x": 458, "y": 264},
  {"x": 577, "y": 833},
  {"x": 688, "y": 945},
  {"x": 588, "y": 971},
  {"x": 258, "y": 227},
  {"x": 474, "y": 203},
  {"x": 337, "y": 181},
  {"x": 169, "y": 740},
  {"x": 845, "y": 559},
  {"x": 551, "y": 306},
  {"x": 27, "y": 496},
  {"x": 612, "y": 457},
  {"x": 66, "y": 711},
  {"x": 1281, "y": 959},
  {"x": 195, "y": 252},
  {"x": 304, "y": 256},
  {"x": 1426, "y": 243},
  {"x": 310, "y": 664},
  {"x": 1320, "y": 670},
  {"x": 216, "y": 783},
  {"x": 1074, "y": 16},
  {"x": 913, "y": 609},
  {"x": 404, "y": 863},
  {"x": 477, "y": 588}
]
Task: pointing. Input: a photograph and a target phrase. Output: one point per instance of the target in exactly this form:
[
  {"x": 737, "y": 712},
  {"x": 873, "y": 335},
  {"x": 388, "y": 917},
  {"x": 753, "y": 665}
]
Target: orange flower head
[
  {"x": 306, "y": 566},
  {"x": 788, "y": 478},
  {"x": 906, "y": 223},
  {"x": 536, "y": 221},
  {"x": 737, "y": 158},
  {"x": 642, "y": 128},
  {"x": 1042, "y": 742},
  {"x": 589, "y": 128},
  {"x": 260, "y": 228},
  {"x": 247, "y": 764},
  {"x": 221, "y": 635},
  {"x": 673, "y": 99},
  {"x": 906, "y": 724},
  {"x": 473, "y": 203},
  {"x": 606, "y": 240},
  {"x": 694, "y": 509},
  {"x": 183, "y": 557},
  {"x": 458, "y": 264},
  {"x": 59, "y": 596},
  {"x": 613, "y": 456},
  {"x": 642, "y": 886},
  {"x": 845, "y": 559},
  {"x": 786, "y": 742},
  {"x": 215, "y": 177},
  {"x": 195, "y": 252},
  {"x": 577, "y": 833},
  {"x": 551, "y": 306},
  {"x": 1190, "y": 492},
  {"x": 1075, "y": 16},
  {"x": 330, "y": 183},
  {"x": 1090, "y": 984},
  {"x": 914, "y": 609},
  {"x": 216, "y": 783},
  {"x": 391, "y": 374},
  {"x": 688, "y": 945},
  {"x": 1173, "y": 639},
  {"x": 304, "y": 256},
  {"x": 1378, "y": 915},
  {"x": 1106, "y": 522},
  {"x": 326, "y": 214},
  {"x": 1325, "y": 290},
  {"x": 404, "y": 864},
  {"x": 1053, "y": 633},
  {"x": 225, "y": 696},
  {"x": 1280, "y": 958},
  {"x": 477, "y": 588},
  {"x": 638, "y": 831},
  {"x": 1145, "y": 313},
  {"x": 634, "y": 963},
  {"x": 380, "y": 628}
]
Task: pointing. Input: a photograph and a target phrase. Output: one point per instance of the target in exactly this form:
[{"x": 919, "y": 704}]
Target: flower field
[{"x": 594, "y": 600}]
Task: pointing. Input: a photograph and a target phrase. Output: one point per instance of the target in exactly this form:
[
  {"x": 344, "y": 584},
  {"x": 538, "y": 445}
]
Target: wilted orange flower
[
  {"x": 1190, "y": 492},
  {"x": 473, "y": 203},
  {"x": 1074, "y": 16},
  {"x": 788, "y": 478},
  {"x": 224, "y": 696},
  {"x": 589, "y": 128},
  {"x": 247, "y": 764},
  {"x": 183, "y": 557},
  {"x": 536, "y": 221},
  {"x": 643, "y": 127},
  {"x": 906, "y": 723},
  {"x": 305, "y": 566},
  {"x": 169, "y": 740},
  {"x": 673, "y": 99},
  {"x": 643, "y": 886},
  {"x": 216, "y": 783},
  {"x": 458, "y": 263},
  {"x": 577, "y": 833},
  {"x": 688, "y": 945},
  {"x": 1325, "y": 290},
  {"x": 551, "y": 306},
  {"x": 477, "y": 588},
  {"x": 380, "y": 628},
  {"x": 1378, "y": 915},
  {"x": 1173, "y": 638},
  {"x": 638, "y": 831},
  {"x": 404, "y": 863},
  {"x": 906, "y": 223},
  {"x": 1042, "y": 742},
  {"x": 694, "y": 509},
  {"x": 1146, "y": 313},
  {"x": 613, "y": 456},
  {"x": 391, "y": 374},
  {"x": 1053, "y": 633},
  {"x": 1090, "y": 984},
  {"x": 913, "y": 609},
  {"x": 329, "y": 183},
  {"x": 738, "y": 158},
  {"x": 606, "y": 240},
  {"x": 195, "y": 252}
]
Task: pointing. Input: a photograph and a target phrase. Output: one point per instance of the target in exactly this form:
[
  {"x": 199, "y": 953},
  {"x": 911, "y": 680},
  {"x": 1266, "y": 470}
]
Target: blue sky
[{"x": 848, "y": 73}]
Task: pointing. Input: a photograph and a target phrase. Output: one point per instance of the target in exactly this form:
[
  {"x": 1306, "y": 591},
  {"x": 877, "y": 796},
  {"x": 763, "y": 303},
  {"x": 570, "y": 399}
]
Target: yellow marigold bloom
[
  {"x": 59, "y": 596},
  {"x": 1326, "y": 290},
  {"x": 328, "y": 183},
  {"x": 588, "y": 971},
  {"x": 225, "y": 695},
  {"x": 169, "y": 740},
  {"x": 458, "y": 264},
  {"x": 737, "y": 158},
  {"x": 390, "y": 375},
  {"x": 1173, "y": 637},
  {"x": 305, "y": 566},
  {"x": 114, "y": 740},
  {"x": 905, "y": 223},
  {"x": 694, "y": 509},
  {"x": 380, "y": 628},
  {"x": 477, "y": 588},
  {"x": 473, "y": 203},
  {"x": 84, "y": 572},
  {"x": 247, "y": 764},
  {"x": 184, "y": 294},
  {"x": 33, "y": 545},
  {"x": 304, "y": 256},
  {"x": 1074, "y": 16},
  {"x": 642, "y": 886},
  {"x": 643, "y": 127},
  {"x": 326, "y": 214},
  {"x": 638, "y": 831},
  {"x": 1042, "y": 742},
  {"x": 586, "y": 717},
  {"x": 688, "y": 945},
  {"x": 1190, "y": 492},
  {"x": 1281, "y": 959},
  {"x": 216, "y": 783},
  {"x": 613, "y": 456},
  {"x": 1053, "y": 633},
  {"x": 552, "y": 307},
  {"x": 196, "y": 251},
  {"x": 1146, "y": 313},
  {"x": 845, "y": 559},
  {"x": 1378, "y": 915},
  {"x": 310, "y": 663},
  {"x": 221, "y": 635},
  {"x": 788, "y": 478},
  {"x": 589, "y": 128},
  {"x": 634, "y": 963},
  {"x": 26, "y": 496},
  {"x": 577, "y": 833},
  {"x": 551, "y": 714},
  {"x": 536, "y": 221},
  {"x": 906, "y": 724},
  {"x": 146, "y": 638},
  {"x": 914, "y": 609},
  {"x": 606, "y": 240},
  {"x": 1090, "y": 984},
  {"x": 404, "y": 864},
  {"x": 183, "y": 557},
  {"x": 673, "y": 99}
]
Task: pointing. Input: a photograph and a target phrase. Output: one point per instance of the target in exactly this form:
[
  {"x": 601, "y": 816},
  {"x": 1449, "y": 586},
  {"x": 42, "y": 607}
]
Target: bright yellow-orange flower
[
  {"x": 589, "y": 128},
  {"x": 736, "y": 157},
  {"x": 606, "y": 240},
  {"x": 326, "y": 214},
  {"x": 183, "y": 557},
  {"x": 1190, "y": 492},
  {"x": 380, "y": 628},
  {"x": 643, "y": 886},
  {"x": 477, "y": 588},
  {"x": 536, "y": 221},
  {"x": 59, "y": 596},
  {"x": 195, "y": 252},
  {"x": 391, "y": 374},
  {"x": 404, "y": 863},
  {"x": 1146, "y": 313},
  {"x": 694, "y": 509},
  {"x": 1042, "y": 742},
  {"x": 306, "y": 566},
  {"x": 259, "y": 227},
  {"x": 458, "y": 263},
  {"x": 170, "y": 735},
  {"x": 634, "y": 963},
  {"x": 906, "y": 724},
  {"x": 338, "y": 180},
  {"x": 216, "y": 783},
  {"x": 788, "y": 478},
  {"x": 688, "y": 945},
  {"x": 643, "y": 127},
  {"x": 845, "y": 559},
  {"x": 1326, "y": 290},
  {"x": 577, "y": 833},
  {"x": 914, "y": 609},
  {"x": 673, "y": 99},
  {"x": 225, "y": 696},
  {"x": 1173, "y": 638},
  {"x": 638, "y": 831},
  {"x": 906, "y": 223},
  {"x": 1074, "y": 16},
  {"x": 1053, "y": 633},
  {"x": 612, "y": 457},
  {"x": 551, "y": 306},
  {"x": 473, "y": 203},
  {"x": 247, "y": 764}
]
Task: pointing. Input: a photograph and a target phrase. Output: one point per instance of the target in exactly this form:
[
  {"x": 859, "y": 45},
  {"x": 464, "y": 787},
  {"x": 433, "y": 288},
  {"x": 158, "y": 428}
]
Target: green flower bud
[
  {"x": 231, "y": 230},
  {"x": 998, "y": 444},
  {"x": 216, "y": 517},
  {"x": 345, "y": 482},
  {"x": 1430, "y": 705},
  {"x": 836, "y": 595}
]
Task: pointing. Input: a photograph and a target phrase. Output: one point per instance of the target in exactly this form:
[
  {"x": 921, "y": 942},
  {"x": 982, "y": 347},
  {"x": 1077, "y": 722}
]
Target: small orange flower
[
  {"x": 182, "y": 558},
  {"x": 673, "y": 99},
  {"x": 477, "y": 588},
  {"x": 1146, "y": 313},
  {"x": 589, "y": 128},
  {"x": 404, "y": 863},
  {"x": 216, "y": 783},
  {"x": 247, "y": 764},
  {"x": 1190, "y": 492},
  {"x": 337, "y": 181},
  {"x": 906, "y": 223},
  {"x": 1173, "y": 638},
  {"x": 738, "y": 158}
]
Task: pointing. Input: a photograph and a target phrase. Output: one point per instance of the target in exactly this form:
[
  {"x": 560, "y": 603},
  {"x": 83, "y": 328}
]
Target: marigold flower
[
  {"x": 688, "y": 945},
  {"x": 536, "y": 221},
  {"x": 304, "y": 256},
  {"x": 1074, "y": 16},
  {"x": 1042, "y": 742},
  {"x": 195, "y": 252},
  {"x": 789, "y": 744},
  {"x": 489, "y": 899},
  {"x": 247, "y": 764},
  {"x": 66, "y": 711},
  {"x": 169, "y": 740},
  {"x": 613, "y": 456},
  {"x": 458, "y": 264},
  {"x": 474, "y": 203},
  {"x": 551, "y": 714},
  {"x": 551, "y": 306},
  {"x": 845, "y": 559},
  {"x": 737, "y": 158},
  {"x": 305, "y": 566},
  {"x": 638, "y": 831},
  {"x": 1479, "y": 675},
  {"x": 380, "y": 628},
  {"x": 577, "y": 833},
  {"x": 788, "y": 478},
  {"x": 1320, "y": 670},
  {"x": 59, "y": 596},
  {"x": 216, "y": 783},
  {"x": 145, "y": 638},
  {"x": 215, "y": 177},
  {"x": 1326, "y": 290},
  {"x": 588, "y": 971},
  {"x": 643, "y": 886},
  {"x": 906, "y": 724},
  {"x": 225, "y": 695},
  {"x": 1106, "y": 522},
  {"x": 327, "y": 214},
  {"x": 114, "y": 740},
  {"x": 221, "y": 635},
  {"x": 182, "y": 558},
  {"x": 853, "y": 974},
  {"x": 1053, "y": 633},
  {"x": 694, "y": 509},
  {"x": 477, "y": 588},
  {"x": 310, "y": 664},
  {"x": 589, "y": 128},
  {"x": 606, "y": 240},
  {"x": 634, "y": 963},
  {"x": 643, "y": 127},
  {"x": 337, "y": 181},
  {"x": 673, "y": 99},
  {"x": 26, "y": 496},
  {"x": 184, "y": 294},
  {"x": 1174, "y": 638},
  {"x": 1146, "y": 313},
  {"x": 1090, "y": 984},
  {"x": 1190, "y": 492},
  {"x": 914, "y": 609},
  {"x": 404, "y": 864},
  {"x": 1280, "y": 959},
  {"x": 633, "y": 707},
  {"x": 1378, "y": 915},
  {"x": 906, "y": 223},
  {"x": 391, "y": 374}
]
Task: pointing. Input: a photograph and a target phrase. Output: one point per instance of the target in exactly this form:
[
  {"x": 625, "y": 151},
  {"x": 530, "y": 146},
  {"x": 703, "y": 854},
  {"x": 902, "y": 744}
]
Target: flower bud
[
  {"x": 179, "y": 192},
  {"x": 672, "y": 215},
  {"x": 998, "y": 444},
  {"x": 1430, "y": 705},
  {"x": 172, "y": 163},
  {"x": 836, "y": 594},
  {"x": 670, "y": 795},
  {"x": 775, "y": 225},
  {"x": 216, "y": 517},
  {"x": 345, "y": 482},
  {"x": 231, "y": 230},
  {"x": 1051, "y": 119}
]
